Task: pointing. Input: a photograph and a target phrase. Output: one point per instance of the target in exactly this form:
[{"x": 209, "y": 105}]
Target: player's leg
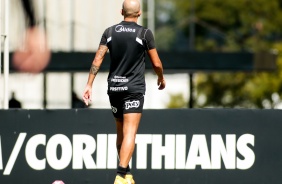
[
  {"x": 119, "y": 130},
  {"x": 126, "y": 133},
  {"x": 132, "y": 111},
  {"x": 119, "y": 126},
  {"x": 116, "y": 104},
  {"x": 130, "y": 127}
]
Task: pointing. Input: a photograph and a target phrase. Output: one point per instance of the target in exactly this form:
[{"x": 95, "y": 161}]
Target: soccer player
[{"x": 127, "y": 43}]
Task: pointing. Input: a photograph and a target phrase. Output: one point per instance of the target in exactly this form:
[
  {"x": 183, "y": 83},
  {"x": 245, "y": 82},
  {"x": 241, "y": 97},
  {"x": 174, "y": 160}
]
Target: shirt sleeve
[
  {"x": 149, "y": 39},
  {"x": 104, "y": 37}
]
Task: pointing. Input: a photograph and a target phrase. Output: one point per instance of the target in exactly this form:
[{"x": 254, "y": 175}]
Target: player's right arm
[{"x": 99, "y": 57}]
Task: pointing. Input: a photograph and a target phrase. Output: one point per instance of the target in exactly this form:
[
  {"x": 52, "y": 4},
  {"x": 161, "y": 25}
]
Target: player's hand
[
  {"x": 161, "y": 83},
  {"x": 87, "y": 95}
]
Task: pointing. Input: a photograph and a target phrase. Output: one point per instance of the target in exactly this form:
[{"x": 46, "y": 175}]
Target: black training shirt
[{"x": 127, "y": 43}]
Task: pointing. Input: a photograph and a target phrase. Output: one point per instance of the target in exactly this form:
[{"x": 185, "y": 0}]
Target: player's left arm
[
  {"x": 158, "y": 67},
  {"x": 154, "y": 58},
  {"x": 99, "y": 57}
]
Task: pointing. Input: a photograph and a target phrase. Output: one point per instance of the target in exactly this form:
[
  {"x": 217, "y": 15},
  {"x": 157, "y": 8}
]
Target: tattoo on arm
[
  {"x": 102, "y": 51},
  {"x": 98, "y": 59},
  {"x": 94, "y": 69}
]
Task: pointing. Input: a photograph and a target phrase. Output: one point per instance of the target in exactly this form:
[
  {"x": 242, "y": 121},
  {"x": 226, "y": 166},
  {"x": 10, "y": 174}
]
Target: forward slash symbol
[{"x": 14, "y": 154}]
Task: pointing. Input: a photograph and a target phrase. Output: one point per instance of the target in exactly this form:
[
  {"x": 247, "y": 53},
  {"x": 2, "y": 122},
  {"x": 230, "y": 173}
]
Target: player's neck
[{"x": 131, "y": 19}]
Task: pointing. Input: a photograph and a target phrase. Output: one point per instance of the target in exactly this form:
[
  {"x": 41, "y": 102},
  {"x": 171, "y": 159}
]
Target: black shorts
[{"x": 126, "y": 103}]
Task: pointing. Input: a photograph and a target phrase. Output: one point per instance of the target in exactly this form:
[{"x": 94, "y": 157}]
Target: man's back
[{"x": 127, "y": 45}]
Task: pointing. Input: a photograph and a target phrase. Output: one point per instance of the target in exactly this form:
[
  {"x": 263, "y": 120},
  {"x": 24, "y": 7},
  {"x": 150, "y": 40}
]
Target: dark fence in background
[
  {"x": 172, "y": 61},
  {"x": 182, "y": 146}
]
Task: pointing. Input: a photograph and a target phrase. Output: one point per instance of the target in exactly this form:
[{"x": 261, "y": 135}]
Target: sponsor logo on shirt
[
  {"x": 132, "y": 104},
  {"x": 121, "y": 28},
  {"x": 125, "y": 88},
  {"x": 119, "y": 79}
]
